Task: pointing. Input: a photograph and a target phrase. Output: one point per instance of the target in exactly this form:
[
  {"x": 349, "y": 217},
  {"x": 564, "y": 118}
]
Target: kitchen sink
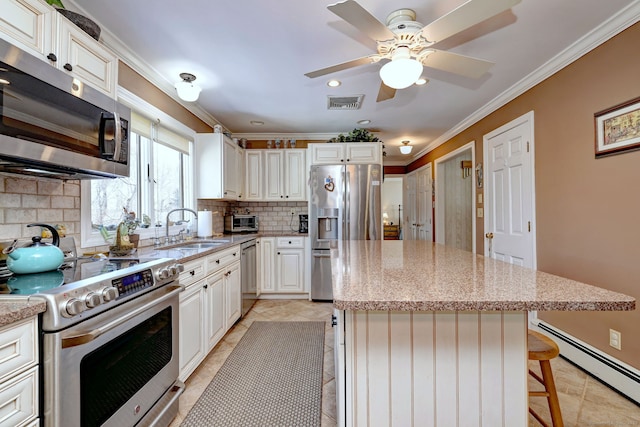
[{"x": 201, "y": 245}]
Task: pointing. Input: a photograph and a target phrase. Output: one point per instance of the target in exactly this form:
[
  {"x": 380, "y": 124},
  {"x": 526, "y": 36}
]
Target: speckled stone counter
[
  {"x": 422, "y": 276},
  {"x": 14, "y": 310}
]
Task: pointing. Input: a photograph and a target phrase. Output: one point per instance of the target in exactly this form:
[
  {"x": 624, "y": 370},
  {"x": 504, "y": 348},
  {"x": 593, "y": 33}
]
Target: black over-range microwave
[{"x": 54, "y": 125}]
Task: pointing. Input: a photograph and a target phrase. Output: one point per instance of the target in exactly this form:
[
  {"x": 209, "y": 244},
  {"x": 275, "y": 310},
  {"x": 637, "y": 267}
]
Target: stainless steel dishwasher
[{"x": 248, "y": 275}]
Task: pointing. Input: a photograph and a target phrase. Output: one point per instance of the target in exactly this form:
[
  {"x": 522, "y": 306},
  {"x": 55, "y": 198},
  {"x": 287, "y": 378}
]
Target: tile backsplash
[{"x": 273, "y": 216}]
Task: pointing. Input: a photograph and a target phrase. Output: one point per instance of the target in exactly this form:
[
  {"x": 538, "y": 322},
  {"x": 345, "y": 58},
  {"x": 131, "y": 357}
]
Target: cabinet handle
[
  {"x": 192, "y": 272},
  {"x": 68, "y": 67},
  {"x": 289, "y": 241},
  {"x": 278, "y": 253},
  {"x": 52, "y": 57},
  {"x": 281, "y": 196},
  {"x": 287, "y": 197},
  {"x": 205, "y": 286},
  {"x": 348, "y": 160},
  {"x": 334, "y": 321},
  {"x": 234, "y": 254},
  {"x": 217, "y": 261},
  {"x": 342, "y": 160}
]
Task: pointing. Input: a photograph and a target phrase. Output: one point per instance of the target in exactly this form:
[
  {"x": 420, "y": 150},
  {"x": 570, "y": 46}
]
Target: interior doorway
[
  {"x": 392, "y": 207},
  {"x": 455, "y": 196}
]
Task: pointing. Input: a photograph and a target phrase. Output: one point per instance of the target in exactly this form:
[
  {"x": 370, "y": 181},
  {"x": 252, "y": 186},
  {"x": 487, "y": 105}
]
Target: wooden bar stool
[{"x": 543, "y": 349}]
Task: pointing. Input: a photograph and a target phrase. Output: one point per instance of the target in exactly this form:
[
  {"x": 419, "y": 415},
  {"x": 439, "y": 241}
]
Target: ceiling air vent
[{"x": 344, "y": 102}]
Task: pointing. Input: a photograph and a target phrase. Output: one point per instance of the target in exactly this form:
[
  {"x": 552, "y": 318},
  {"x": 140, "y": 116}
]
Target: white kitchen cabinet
[
  {"x": 191, "y": 329},
  {"x": 36, "y": 27},
  {"x": 19, "y": 386},
  {"x": 266, "y": 264},
  {"x": 282, "y": 266},
  {"x": 219, "y": 168},
  {"x": 233, "y": 293},
  {"x": 276, "y": 175},
  {"x": 215, "y": 301},
  {"x": 346, "y": 152}
]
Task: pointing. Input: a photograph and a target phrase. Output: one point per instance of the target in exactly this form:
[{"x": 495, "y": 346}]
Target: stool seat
[{"x": 543, "y": 349}]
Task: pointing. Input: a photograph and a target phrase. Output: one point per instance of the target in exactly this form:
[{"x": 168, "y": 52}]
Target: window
[{"x": 160, "y": 180}]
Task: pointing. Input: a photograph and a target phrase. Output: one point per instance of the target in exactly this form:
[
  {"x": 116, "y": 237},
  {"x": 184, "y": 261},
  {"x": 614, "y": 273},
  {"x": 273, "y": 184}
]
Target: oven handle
[{"x": 75, "y": 340}]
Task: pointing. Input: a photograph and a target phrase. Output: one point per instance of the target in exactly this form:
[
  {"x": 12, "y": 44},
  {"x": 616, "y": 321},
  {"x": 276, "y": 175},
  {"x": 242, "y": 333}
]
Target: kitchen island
[{"x": 434, "y": 336}]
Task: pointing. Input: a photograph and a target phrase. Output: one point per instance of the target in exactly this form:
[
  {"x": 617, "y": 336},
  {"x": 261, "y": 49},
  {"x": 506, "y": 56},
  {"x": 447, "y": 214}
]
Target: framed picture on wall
[{"x": 618, "y": 128}]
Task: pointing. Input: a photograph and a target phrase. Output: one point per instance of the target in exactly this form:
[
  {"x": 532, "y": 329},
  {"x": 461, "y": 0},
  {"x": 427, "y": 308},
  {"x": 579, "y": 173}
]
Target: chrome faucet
[{"x": 172, "y": 211}]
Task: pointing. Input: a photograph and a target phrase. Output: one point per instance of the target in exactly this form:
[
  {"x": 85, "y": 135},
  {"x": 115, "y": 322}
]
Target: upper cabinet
[
  {"x": 37, "y": 28},
  {"x": 276, "y": 175},
  {"x": 345, "y": 152},
  {"x": 219, "y": 168}
]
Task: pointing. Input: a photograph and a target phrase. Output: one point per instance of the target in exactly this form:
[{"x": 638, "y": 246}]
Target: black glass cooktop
[{"x": 71, "y": 271}]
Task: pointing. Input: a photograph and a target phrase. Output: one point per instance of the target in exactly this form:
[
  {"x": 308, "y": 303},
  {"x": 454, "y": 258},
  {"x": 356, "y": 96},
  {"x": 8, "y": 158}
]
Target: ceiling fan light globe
[
  {"x": 401, "y": 73},
  {"x": 187, "y": 91}
]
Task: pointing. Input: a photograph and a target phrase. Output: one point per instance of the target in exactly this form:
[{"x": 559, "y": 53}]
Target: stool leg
[{"x": 550, "y": 386}]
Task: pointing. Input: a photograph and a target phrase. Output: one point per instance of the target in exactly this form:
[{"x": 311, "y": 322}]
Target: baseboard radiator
[{"x": 623, "y": 378}]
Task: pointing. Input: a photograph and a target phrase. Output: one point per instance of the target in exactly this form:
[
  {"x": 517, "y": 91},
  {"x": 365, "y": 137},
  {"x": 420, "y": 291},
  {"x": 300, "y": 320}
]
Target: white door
[
  {"x": 424, "y": 225},
  {"x": 509, "y": 193},
  {"x": 409, "y": 231}
]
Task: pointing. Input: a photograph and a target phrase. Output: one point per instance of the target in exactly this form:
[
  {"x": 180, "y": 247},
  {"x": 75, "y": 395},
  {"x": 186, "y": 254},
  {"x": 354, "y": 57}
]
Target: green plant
[
  {"x": 56, "y": 3},
  {"x": 356, "y": 135}
]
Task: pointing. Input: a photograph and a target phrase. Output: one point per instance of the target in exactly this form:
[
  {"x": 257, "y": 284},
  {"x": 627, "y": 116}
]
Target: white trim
[
  {"x": 601, "y": 365},
  {"x": 527, "y": 117},
  {"x": 439, "y": 190}
]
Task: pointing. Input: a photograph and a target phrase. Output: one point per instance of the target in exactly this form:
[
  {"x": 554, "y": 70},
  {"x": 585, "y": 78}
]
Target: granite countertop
[
  {"x": 424, "y": 276},
  {"x": 13, "y": 310}
]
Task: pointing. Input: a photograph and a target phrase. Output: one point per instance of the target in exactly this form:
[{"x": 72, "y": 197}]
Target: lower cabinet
[
  {"x": 209, "y": 305},
  {"x": 19, "y": 386},
  {"x": 282, "y": 265}
]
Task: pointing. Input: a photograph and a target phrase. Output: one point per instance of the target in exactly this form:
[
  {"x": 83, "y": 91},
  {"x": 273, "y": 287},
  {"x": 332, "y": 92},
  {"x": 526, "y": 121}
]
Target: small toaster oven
[{"x": 240, "y": 223}]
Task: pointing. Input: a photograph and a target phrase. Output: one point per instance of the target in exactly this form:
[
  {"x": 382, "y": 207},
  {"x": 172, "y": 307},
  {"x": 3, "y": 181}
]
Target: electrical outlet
[
  {"x": 293, "y": 211},
  {"x": 615, "y": 339}
]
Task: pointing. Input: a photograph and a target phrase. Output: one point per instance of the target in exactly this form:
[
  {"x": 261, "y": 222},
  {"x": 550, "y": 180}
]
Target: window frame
[{"x": 88, "y": 237}]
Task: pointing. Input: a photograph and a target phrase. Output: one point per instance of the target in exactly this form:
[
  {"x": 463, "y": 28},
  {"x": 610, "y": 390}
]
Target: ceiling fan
[{"x": 407, "y": 43}]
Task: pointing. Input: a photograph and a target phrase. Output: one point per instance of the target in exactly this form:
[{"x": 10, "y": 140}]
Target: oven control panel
[{"x": 133, "y": 283}]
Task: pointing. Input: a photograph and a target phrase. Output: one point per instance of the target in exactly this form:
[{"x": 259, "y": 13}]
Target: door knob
[{"x": 489, "y": 235}]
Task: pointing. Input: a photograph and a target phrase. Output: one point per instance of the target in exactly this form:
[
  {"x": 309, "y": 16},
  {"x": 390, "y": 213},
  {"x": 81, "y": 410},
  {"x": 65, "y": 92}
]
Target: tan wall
[
  {"x": 587, "y": 209},
  {"x": 138, "y": 85}
]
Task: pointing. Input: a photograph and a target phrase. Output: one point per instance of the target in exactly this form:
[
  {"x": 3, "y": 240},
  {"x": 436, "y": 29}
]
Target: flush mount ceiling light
[
  {"x": 402, "y": 71},
  {"x": 187, "y": 91},
  {"x": 406, "y": 148},
  {"x": 256, "y": 122},
  {"x": 364, "y": 122},
  {"x": 334, "y": 83}
]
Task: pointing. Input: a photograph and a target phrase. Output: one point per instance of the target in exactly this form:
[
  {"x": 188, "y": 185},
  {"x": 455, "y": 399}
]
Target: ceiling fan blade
[
  {"x": 385, "y": 92},
  {"x": 343, "y": 66},
  {"x": 458, "y": 64},
  {"x": 359, "y": 17},
  {"x": 465, "y": 16}
]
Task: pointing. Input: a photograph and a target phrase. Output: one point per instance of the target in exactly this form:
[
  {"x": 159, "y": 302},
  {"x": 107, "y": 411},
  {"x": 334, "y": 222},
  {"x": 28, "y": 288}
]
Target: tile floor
[{"x": 584, "y": 401}]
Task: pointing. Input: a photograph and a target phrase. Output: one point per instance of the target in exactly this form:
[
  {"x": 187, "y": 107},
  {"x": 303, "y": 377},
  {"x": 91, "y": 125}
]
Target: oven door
[{"x": 112, "y": 368}]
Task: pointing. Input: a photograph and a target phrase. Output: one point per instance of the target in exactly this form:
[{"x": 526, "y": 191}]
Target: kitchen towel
[{"x": 205, "y": 223}]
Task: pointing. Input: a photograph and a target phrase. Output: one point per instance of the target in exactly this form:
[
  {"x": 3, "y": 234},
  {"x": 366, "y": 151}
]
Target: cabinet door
[
  {"x": 215, "y": 302},
  {"x": 253, "y": 175},
  {"x": 28, "y": 24},
  {"x": 363, "y": 152},
  {"x": 239, "y": 172},
  {"x": 290, "y": 270},
  {"x": 266, "y": 266},
  {"x": 229, "y": 171},
  {"x": 273, "y": 174},
  {"x": 295, "y": 174},
  {"x": 209, "y": 165},
  {"x": 234, "y": 296},
  {"x": 327, "y": 154},
  {"x": 83, "y": 57},
  {"x": 191, "y": 329}
]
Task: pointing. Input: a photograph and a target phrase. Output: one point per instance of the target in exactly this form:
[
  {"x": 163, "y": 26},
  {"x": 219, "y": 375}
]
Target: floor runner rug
[{"x": 273, "y": 377}]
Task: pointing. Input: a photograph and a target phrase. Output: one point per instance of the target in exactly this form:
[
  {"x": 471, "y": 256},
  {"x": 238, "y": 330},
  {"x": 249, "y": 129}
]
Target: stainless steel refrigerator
[{"x": 344, "y": 204}]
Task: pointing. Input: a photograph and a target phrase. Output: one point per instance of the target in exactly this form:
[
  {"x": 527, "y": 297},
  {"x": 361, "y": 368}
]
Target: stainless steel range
[{"x": 110, "y": 343}]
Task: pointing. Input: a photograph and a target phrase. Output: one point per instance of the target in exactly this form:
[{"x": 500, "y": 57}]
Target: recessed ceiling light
[
  {"x": 364, "y": 122},
  {"x": 421, "y": 81},
  {"x": 334, "y": 83},
  {"x": 256, "y": 123}
]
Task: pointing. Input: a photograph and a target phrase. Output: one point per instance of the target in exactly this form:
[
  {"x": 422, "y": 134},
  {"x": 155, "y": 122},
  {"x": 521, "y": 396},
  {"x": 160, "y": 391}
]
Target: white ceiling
[{"x": 250, "y": 57}]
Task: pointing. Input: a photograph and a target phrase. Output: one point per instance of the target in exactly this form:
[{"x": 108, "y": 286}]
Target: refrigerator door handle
[
  {"x": 321, "y": 256},
  {"x": 346, "y": 235}
]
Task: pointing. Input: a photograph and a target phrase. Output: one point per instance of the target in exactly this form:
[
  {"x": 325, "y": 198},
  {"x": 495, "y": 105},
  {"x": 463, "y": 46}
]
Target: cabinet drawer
[
  {"x": 220, "y": 259},
  {"x": 19, "y": 399},
  {"x": 290, "y": 242},
  {"x": 193, "y": 271},
  {"x": 18, "y": 347}
]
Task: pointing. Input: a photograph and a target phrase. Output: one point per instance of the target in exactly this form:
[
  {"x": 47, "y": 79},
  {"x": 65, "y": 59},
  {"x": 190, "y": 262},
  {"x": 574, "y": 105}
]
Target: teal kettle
[{"x": 36, "y": 257}]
